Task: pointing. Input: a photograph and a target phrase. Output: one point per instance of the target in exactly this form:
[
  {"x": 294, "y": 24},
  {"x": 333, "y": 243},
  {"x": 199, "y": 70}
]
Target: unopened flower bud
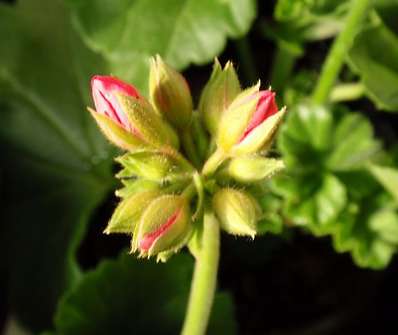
[
  {"x": 154, "y": 165},
  {"x": 132, "y": 186},
  {"x": 128, "y": 212},
  {"x": 250, "y": 122},
  {"x": 164, "y": 226},
  {"x": 170, "y": 93},
  {"x": 222, "y": 87},
  {"x": 126, "y": 118},
  {"x": 253, "y": 168},
  {"x": 237, "y": 211}
]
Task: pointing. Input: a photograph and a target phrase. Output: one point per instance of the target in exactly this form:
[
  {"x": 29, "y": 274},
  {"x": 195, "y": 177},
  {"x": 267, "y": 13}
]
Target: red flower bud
[
  {"x": 266, "y": 107},
  {"x": 103, "y": 89}
]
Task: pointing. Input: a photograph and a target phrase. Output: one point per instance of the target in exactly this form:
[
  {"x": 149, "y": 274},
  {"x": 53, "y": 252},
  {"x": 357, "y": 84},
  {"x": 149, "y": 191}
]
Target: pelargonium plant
[{"x": 187, "y": 173}]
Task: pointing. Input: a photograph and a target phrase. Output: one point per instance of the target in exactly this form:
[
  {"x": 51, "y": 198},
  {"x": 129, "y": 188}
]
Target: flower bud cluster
[{"x": 167, "y": 174}]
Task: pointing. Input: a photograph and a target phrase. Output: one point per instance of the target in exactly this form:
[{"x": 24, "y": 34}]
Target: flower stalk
[
  {"x": 335, "y": 59},
  {"x": 204, "y": 278}
]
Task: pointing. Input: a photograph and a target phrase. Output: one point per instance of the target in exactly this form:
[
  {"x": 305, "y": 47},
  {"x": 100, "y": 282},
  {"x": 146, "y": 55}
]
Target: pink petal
[
  {"x": 266, "y": 107},
  {"x": 103, "y": 91}
]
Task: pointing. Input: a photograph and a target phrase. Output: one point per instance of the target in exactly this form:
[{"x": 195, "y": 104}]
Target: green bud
[
  {"x": 128, "y": 212},
  {"x": 132, "y": 186},
  {"x": 149, "y": 126},
  {"x": 235, "y": 119},
  {"x": 154, "y": 165},
  {"x": 253, "y": 168},
  {"x": 237, "y": 211},
  {"x": 170, "y": 93},
  {"x": 164, "y": 226},
  {"x": 222, "y": 87}
]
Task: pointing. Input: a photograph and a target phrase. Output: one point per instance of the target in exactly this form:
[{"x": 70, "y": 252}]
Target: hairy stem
[
  {"x": 204, "y": 279},
  {"x": 341, "y": 44}
]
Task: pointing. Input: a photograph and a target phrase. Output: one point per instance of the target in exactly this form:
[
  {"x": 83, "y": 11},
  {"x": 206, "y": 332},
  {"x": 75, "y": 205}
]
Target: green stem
[
  {"x": 341, "y": 44},
  {"x": 189, "y": 147},
  {"x": 213, "y": 162},
  {"x": 204, "y": 279},
  {"x": 347, "y": 92}
]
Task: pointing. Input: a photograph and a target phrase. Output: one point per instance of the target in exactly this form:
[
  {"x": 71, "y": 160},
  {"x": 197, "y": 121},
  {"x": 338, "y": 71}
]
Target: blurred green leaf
[
  {"x": 308, "y": 20},
  {"x": 368, "y": 229},
  {"x": 378, "y": 70},
  {"x": 186, "y": 31},
  {"x": 314, "y": 139},
  {"x": 314, "y": 202},
  {"x": 130, "y": 296},
  {"x": 388, "y": 12},
  {"x": 388, "y": 178},
  {"x": 56, "y": 165},
  {"x": 328, "y": 189}
]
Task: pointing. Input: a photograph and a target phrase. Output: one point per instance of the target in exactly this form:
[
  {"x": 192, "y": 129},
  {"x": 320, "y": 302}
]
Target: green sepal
[
  {"x": 156, "y": 165},
  {"x": 151, "y": 128},
  {"x": 248, "y": 169},
  {"x": 116, "y": 133},
  {"x": 132, "y": 186}
]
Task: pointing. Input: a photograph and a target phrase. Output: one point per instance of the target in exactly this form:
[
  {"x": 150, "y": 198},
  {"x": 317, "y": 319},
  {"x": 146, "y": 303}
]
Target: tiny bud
[
  {"x": 164, "y": 226},
  {"x": 237, "y": 211},
  {"x": 170, "y": 93},
  {"x": 153, "y": 165},
  {"x": 253, "y": 168},
  {"x": 222, "y": 87},
  {"x": 133, "y": 186}
]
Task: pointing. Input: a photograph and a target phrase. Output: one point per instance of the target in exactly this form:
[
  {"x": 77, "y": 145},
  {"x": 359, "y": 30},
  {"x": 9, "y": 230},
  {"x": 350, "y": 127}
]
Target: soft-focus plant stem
[
  {"x": 341, "y": 44},
  {"x": 204, "y": 278}
]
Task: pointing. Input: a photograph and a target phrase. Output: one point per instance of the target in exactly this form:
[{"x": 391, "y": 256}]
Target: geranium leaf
[
  {"x": 378, "y": 70},
  {"x": 55, "y": 163},
  {"x": 130, "y": 296},
  {"x": 186, "y": 31}
]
